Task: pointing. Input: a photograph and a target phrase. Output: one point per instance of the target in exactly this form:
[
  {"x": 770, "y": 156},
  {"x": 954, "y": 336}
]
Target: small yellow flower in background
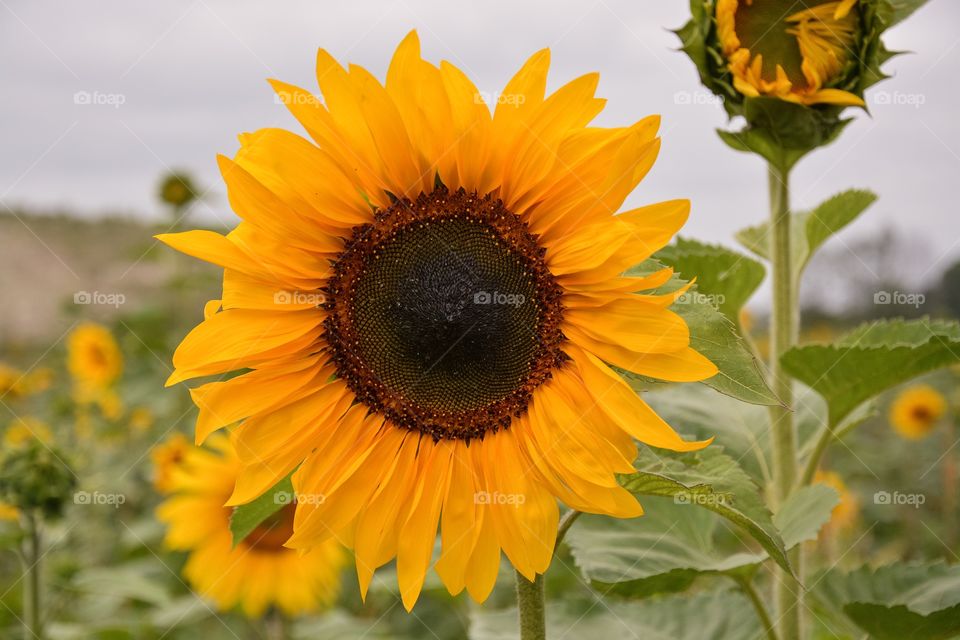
[
  {"x": 141, "y": 419},
  {"x": 845, "y": 514},
  {"x": 746, "y": 320},
  {"x": 774, "y": 51},
  {"x": 11, "y": 382},
  {"x": 166, "y": 457},
  {"x": 259, "y": 572},
  {"x": 110, "y": 404},
  {"x": 916, "y": 411},
  {"x": 26, "y": 429},
  {"x": 93, "y": 357},
  {"x": 8, "y": 512}
]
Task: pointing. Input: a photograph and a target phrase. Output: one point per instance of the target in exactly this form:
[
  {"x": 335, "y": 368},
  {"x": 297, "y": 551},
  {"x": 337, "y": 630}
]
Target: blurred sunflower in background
[
  {"x": 915, "y": 412},
  {"x": 27, "y": 429},
  {"x": 93, "y": 357},
  {"x": 167, "y": 456},
  {"x": 844, "y": 515},
  {"x": 258, "y": 572},
  {"x": 431, "y": 301}
]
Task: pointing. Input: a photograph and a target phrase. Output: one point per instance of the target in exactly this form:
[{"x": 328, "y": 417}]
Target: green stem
[
  {"x": 813, "y": 463},
  {"x": 530, "y": 602},
  {"x": 565, "y": 523},
  {"x": 33, "y": 625},
  {"x": 759, "y": 606},
  {"x": 783, "y": 336}
]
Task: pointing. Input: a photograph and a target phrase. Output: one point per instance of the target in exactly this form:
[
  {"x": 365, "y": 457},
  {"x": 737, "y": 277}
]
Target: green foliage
[
  {"x": 35, "y": 476},
  {"x": 724, "y": 275},
  {"x": 810, "y": 229},
  {"x": 248, "y": 517},
  {"x": 895, "y": 602},
  {"x": 712, "y": 615},
  {"x": 713, "y": 480},
  {"x": 711, "y": 332},
  {"x": 872, "y": 359}
]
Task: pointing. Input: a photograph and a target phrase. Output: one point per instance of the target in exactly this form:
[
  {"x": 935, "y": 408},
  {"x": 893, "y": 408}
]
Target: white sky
[{"x": 191, "y": 76}]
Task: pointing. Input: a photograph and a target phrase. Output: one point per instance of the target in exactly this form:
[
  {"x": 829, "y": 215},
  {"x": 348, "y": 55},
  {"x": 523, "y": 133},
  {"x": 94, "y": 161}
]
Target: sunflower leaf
[
  {"x": 248, "y": 517},
  {"x": 713, "y": 480},
  {"x": 715, "y": 336},
  {"x": 871, "y": 359},
  {"x": 810, "y": 229},
  {"x": 901, "y": 601},
  {"x": 724, "y": 276},
  {"x": 712, "y": 615}
]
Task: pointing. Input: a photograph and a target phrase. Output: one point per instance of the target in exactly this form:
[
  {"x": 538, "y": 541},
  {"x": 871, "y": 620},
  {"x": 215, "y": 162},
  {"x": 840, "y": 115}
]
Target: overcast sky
[{"x": 172, "y": 83}]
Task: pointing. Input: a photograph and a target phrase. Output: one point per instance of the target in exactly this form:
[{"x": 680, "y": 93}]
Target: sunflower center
[
  {"x": 443, "y": 315},
  {"x": 271, "y": 534}
]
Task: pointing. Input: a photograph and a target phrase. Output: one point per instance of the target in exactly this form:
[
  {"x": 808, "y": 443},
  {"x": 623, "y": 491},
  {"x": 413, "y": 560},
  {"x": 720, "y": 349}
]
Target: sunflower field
[{"x": 443, "y": 376}]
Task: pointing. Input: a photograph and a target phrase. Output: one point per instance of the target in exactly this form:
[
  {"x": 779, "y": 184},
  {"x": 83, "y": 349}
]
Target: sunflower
[
  {"x": 773, "y": 49},
  {"x": 93, "y": 357},
  {"x": 433, "y": 306},
  {"x": 8, "y": 513},
  {"x": 258, "y": 572},
  {"x": 166, "y": 457},
  {"x": 845, "y": 514},
  {"x": 27, "y": 429},
  {"x": 915, "y": 412}
]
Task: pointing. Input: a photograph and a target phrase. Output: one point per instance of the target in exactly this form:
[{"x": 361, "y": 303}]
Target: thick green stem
[
  {"x": 32, "y": 619},
  {"x": 759, "y": 606},
  {"x": 530, "y": 602},
  {"x": 783, "y": 335}
]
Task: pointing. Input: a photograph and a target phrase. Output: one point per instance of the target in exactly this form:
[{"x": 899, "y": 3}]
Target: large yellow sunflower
[
  {"x": 257, "y": 573},
  {"x": 431, "y": 303},
  {"x": 789, "y": 50}
]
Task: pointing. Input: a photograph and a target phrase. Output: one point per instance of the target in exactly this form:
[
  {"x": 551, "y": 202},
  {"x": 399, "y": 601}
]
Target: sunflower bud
[
  {"x": 789, "y": 68},
  {"x": 35, "y": 477}
]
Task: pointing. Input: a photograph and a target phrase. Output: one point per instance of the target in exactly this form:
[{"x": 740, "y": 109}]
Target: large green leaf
[
  {"x": 673, "y": 544},
  {"x": 663, "y": 551},
  {"x": 872, "y": 359},
  {"x": 716, "y": 337},
  {"x": 248, "y": 517},
  {"x": 895, "y": 602},
  {"x": 712, "y": 615},
  {"x": 724, "y": 276},
  {"x": 810, "y": 229},
  {"x": 713, "y": 480}
]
